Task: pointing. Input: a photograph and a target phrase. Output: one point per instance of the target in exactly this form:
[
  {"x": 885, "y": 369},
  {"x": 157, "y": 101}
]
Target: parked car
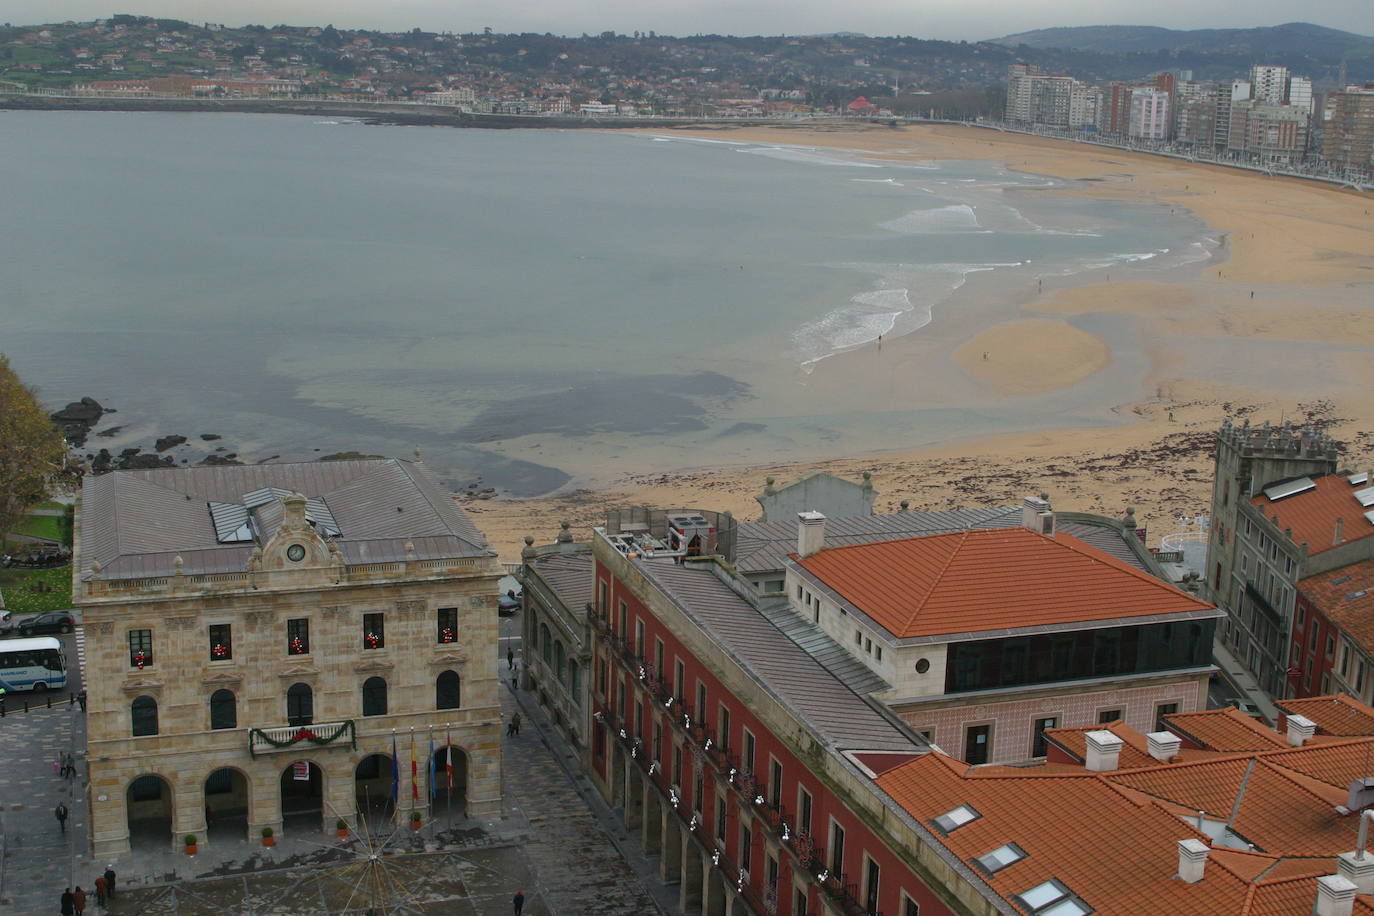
[
  {"x": 510, "y": 603},
  {"x": 51, "y": 622}
]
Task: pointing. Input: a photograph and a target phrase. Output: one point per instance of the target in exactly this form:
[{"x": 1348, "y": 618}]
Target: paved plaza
[{"x": 556, "y": 841}]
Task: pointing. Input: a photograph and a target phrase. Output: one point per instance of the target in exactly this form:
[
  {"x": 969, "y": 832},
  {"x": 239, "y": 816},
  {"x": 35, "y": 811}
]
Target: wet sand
[{"x": 1283, "y": 328}]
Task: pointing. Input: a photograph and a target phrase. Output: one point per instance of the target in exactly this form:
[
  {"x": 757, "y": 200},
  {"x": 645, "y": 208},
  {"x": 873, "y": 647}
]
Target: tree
[{"x": 31, "y": 448}]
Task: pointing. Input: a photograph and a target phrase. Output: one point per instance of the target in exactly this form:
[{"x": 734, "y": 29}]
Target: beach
[{"x": 1279, "y": 328}]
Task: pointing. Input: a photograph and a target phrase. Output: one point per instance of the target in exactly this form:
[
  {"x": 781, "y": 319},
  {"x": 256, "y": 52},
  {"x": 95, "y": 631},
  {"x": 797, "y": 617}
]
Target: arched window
[
  {"x": 222, "y": 711},
  {"x": 447, "y": 691},
  {"x": 374, "y": 697},
  {"x": 300, "y": 705},
  {"x": 575, "y": 680},
  {"x": 546, "y": 643},
  {"x": 533, "y": 621},
  {"x": 560, "y": 662},
  {"x": 144, "y": 716}
]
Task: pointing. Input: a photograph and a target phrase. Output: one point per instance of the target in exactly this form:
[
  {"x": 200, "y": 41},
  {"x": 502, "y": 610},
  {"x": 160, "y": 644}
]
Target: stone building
[{"x": 259, "y": 640}]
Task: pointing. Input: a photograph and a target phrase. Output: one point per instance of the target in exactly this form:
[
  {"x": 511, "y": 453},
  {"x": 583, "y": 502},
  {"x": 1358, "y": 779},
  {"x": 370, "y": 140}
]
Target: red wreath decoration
[
  {"x": 219, "y": 650},
  {"x": 297, "y": 647},
  {"x": 373, "y": 641},
  {"x": 446, "y": 635},
  {"x": 139, "y": 659}
]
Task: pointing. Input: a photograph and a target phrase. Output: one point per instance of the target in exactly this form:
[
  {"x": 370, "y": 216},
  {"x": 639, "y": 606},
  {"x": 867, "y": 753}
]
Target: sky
[{"x": 970, "y": 20}]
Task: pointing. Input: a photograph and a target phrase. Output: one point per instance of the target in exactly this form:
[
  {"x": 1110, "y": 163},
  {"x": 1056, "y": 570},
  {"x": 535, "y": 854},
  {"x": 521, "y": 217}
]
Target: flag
[
  {"x": 448, "y": 762},
  {"x": 430, "y": 768},
  {"x": 414, "y": 771},
  {"x": 395, "y": 772}
]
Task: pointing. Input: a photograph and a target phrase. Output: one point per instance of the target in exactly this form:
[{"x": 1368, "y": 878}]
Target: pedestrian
[
  {"x": 519, "y": 902},
  {"x": 514, "y": 680},
  {"x": 100, "y": 890},
  {"x": 110, "y": 881},
  {"x": 81, "y": 698},
  {"x": 68, "y": 903},
  {"x": 60, "y": 812},
  {"x": 510, "y": 659},
  {"x": 515, "y": 723},
  {"x": 79, "y": 900}
]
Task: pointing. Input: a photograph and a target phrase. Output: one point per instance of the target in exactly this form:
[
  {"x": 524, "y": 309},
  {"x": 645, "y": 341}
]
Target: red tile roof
[
  {"x": 1345, "y": 596},
  {"x": 1312, "y": 514},
  {"x": 1226, "y": 729},
  {"x": 990, "y": 580},
  {"x": 1335, "y": 715}
]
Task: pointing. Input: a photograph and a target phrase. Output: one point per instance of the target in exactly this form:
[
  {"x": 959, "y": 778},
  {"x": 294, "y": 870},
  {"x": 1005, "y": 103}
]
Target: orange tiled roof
[
  {"x": 990, "y": 580},
  {"x": 1135, "y": 748},
  {"x": 1226, "y": 729},
  {"x": 1337, "y": 714},
  {"x": 1312, "y": 514},
  {"x": 1346, "y": 597}
]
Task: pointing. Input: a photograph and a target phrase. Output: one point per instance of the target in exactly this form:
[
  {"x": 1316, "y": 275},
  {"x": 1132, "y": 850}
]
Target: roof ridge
[
  {"x": 935, "y": 580},
  {"x": 1094, "y": 555}
]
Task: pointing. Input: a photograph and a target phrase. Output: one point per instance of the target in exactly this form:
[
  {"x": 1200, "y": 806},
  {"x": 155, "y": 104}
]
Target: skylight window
[
  {"x": 953, "y": 820},
  {"x": 1000, "y": 858},
  {"x": 1053, "y": 898}
]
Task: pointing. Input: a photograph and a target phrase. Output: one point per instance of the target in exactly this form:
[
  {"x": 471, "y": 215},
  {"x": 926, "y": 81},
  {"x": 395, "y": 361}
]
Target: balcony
[{"x": 288, "y": 738}]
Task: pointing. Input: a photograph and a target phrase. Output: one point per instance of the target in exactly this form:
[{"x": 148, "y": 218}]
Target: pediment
[
  {"x": 140, "y": 685},
  {"x": 298, "y": 672},
  {"x": 223, "y": 679},
  {"x": 375, "y": 666}
]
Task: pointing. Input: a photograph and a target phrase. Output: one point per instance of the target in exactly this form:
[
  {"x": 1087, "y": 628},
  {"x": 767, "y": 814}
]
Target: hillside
[{"x": 1293, "y": 38}]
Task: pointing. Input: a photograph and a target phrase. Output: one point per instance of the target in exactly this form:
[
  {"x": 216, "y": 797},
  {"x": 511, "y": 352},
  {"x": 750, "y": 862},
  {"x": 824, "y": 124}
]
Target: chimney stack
[
  {"x": 1104, "y": 751},
  {"x": 1163, "y": 745},
  {"x": 1358, "y": 867},
  {"x": 1192, "y": 860},
  {"x": 1300, "y": 730},
  {"x": 1037, "y": 515},
  {"x": 1335, "y": 896},
  {"x": 810, "y": 533}
]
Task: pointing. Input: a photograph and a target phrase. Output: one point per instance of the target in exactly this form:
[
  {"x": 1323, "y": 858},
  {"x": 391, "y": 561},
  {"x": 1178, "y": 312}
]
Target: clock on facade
[{"x": 295, "y": 553}]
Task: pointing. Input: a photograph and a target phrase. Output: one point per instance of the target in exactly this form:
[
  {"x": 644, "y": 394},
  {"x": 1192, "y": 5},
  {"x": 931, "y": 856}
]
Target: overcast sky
[{"x": 948, "y": 19}]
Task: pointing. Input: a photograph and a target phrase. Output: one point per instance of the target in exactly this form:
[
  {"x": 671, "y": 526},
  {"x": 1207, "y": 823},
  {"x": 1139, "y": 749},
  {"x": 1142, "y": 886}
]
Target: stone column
[
  {"x": 108, "y": 816},
  {"x": 651, "y": 841},
  {"x": 188, "y": 812},
  {"x": 484, "y": 777},
  {"x": 694, "y": 873},
  {"x": 264, "y": 789},
  {"x": 670, "y": 863}
]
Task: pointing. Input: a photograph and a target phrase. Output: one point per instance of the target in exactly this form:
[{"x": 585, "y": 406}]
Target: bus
[{"x": 35, "y": 664}]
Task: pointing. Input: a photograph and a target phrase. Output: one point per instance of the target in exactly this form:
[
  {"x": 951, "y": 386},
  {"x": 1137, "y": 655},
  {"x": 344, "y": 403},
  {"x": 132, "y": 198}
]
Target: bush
[
  {"x": 267, "y": 831},
  {"x": 341, "y": 824},
  {"x": 190, "y": 839}
]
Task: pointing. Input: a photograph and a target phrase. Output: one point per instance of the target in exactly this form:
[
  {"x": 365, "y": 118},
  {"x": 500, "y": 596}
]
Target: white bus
[{"x": 34, "y": 664}]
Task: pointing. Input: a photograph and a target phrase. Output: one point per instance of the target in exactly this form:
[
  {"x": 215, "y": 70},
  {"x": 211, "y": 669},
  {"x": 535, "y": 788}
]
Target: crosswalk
[{"x": 80, "y": 639}]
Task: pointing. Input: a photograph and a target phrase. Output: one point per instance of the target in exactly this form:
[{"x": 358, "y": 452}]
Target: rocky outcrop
[
  {"x": 77, "y": 418},
  {"x": 167, "y": 442}
]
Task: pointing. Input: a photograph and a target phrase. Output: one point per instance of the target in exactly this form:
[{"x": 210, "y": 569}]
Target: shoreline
[{"x": 1281, "y": 327}]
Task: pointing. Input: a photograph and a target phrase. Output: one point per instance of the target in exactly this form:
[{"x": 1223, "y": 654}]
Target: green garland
[{"x": 303, "y": 733}]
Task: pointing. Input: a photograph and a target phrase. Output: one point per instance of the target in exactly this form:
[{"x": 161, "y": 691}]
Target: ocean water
[{"x": 526, "y": 307}]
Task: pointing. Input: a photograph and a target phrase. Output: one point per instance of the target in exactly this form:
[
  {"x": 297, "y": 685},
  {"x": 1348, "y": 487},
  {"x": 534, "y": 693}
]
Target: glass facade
[{"x": 1019, "y": 661}]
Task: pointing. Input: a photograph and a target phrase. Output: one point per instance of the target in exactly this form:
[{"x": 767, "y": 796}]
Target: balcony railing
[{"x": 292, "y": 737}]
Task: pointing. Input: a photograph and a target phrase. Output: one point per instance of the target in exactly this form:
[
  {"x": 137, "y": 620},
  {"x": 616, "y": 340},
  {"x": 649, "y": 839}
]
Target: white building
[
  {"x": 1271, "y": 83},
  {"x": 1149, "y": 114}
]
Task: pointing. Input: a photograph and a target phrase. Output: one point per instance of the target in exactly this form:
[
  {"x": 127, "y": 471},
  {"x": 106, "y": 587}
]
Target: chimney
[
  {"x": 1192, "y": 860},
  {"x": 810, "y": 533},
  {"x": 1340, "y": 530},
  {"x": 1335, "y": 896},
  {"x": 1358, "y": 867},
  {"x": 1163, "y": 745},
  {"x": 1037, "y": 515},
  {"x": 1360, "y": 795},
  {"x": 1104, "y": 751},
  {"x": 1300, "y": 730}
]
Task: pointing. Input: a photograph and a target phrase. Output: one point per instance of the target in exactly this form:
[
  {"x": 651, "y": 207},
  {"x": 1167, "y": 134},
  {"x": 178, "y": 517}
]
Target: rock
[
  {"x": 129, "y": 452},
  {"x": 112, "y": 431},
  {"x": 167, "y": 442},
  {"x": 145, "y": 462},
  {"x": 219, "y": 460},
  {"x": 86, "y": 410},
  {"x": 210, "y": 437},
  {"x": 348, "y": 456}
]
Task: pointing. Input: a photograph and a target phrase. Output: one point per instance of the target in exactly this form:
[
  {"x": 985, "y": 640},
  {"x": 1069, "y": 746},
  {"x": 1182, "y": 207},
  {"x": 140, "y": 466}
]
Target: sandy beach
[{"x": 1282, "y": 328}]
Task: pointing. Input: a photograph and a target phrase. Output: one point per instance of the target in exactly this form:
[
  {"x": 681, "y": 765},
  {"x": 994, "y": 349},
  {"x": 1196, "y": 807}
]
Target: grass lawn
[
  {"x": 32, "y": 591},
  {"x": 40, "y": 526}
]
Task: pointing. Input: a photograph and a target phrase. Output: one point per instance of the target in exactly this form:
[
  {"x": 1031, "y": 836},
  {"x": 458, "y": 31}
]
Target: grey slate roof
[
  {"x": 819, "y": 695},
  {"x": 135, "y": 523},
  {"x": 570, "y": 576}
]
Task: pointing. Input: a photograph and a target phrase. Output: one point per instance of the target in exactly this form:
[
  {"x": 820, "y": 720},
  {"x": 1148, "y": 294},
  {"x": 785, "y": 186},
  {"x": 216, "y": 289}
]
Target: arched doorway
[
  {"x": 372, "y": 789},
  {"x": 148, "y": 802},
  {"x": 450, "y": 804},
  {"x": 226, "y": 805},
  {"x": 302, "y": 797}
]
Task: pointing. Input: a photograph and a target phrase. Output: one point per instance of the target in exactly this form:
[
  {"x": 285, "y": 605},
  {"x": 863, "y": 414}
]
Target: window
[
  {"x": 803, "y": 810},
  {"x": 723, "y": 736},
  {"x": 446, "y": 624},
  {"x": 560, "y": 662},
  {"x": 799, "y": 903},
  {"x": 1330, "y": 646},
  {"x": 1345, "y": 658},
  {"x": 658, "y": 741},
  {"x": 720, "y": 819},
  {"x": 222, "y": 710},
  {"x": 858, "y": 637},
  {"x": 140, "y": 648},
  {"x": 624, "y": 625},
  {"x": 1302, "y": 616},
  {"x": 639, "y": 638},
  {"x": 977, "y": 744},
  {"x": 871, "y": 876},
  {"x": 603, "y": 604},
  {"x": 1040, "y": 744},
  {"x": 770, "y": 873},
  {"x": 679, "y": 679},
  {"x": 1359, "y": 676},
  {"x": 298, "y": 636},
  {"x": 546, "y": 641},
  {"x": 799, "y": 591},
  {"x": 1000, "y": 858},
  {"x": 701, "y": 703},
  {"x": 221, "y": 642},
  {"x": 698, "y": 793},
  {"x": 1162, "y": 710},
  {"x": 746, "y": 847},
  {"x": 677, "y": 764},
  {"x": 910, "y": 907},
  {"x": 836, "y": 848},
  {"x": 878, "y": 653},
  {"x": 374, "y": 697},
  {"x": 1108, "y": 715},
  {"x": 144, "y": 715},
  {"x": 658, "y": 658},
  {"x": 374, "y": 632},
  {"x": 145, "y": 788},
  {"x": 300, "y": 705},
  {"x": 774, "y": 783},
  {"x": 447, "y": 689},
  {"x": 951, "y": 821},
  {"x": 749, "y": 749},
  {"x": 1053, "y": 897}
]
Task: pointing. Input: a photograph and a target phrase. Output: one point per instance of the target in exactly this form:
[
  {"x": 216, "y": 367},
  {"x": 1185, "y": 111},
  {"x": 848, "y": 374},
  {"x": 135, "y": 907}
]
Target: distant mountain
[{"x": 1293, "y": 38}]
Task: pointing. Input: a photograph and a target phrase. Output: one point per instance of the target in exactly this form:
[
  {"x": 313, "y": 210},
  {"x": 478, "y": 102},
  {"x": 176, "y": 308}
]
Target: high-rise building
[
  {"x": 1020, "y": 86},
  {"x": 1227, "y": 95},
  {"x": 1271, "y": 83},
  {"x": 1271, "y": 132},
  {"x": 1300, "y": 93},
  {"x": 1149, "y": 114},
  {"x": 1349, "y": 136}
]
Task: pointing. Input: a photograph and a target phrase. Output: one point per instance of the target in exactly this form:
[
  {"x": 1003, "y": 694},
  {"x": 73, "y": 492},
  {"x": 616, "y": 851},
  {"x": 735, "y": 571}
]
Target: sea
[{"x": 529, "y": 309}]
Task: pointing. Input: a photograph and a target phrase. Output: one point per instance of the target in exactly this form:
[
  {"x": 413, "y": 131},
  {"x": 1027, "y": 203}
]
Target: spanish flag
[{"x": 414, "y": 771}]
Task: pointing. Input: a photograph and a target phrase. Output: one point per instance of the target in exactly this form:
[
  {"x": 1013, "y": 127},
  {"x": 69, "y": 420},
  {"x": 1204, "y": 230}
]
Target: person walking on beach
[
  {"x": 68, "y": 903},
  {"x": 79, "y": 900},
  {"x": 519, "y": 901},
  {"x": 60, "y": 812},
  {"x": 110, "y": 881},
  {"x": 510, "y": 659},
  {"x": 100, "y": 890}
]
